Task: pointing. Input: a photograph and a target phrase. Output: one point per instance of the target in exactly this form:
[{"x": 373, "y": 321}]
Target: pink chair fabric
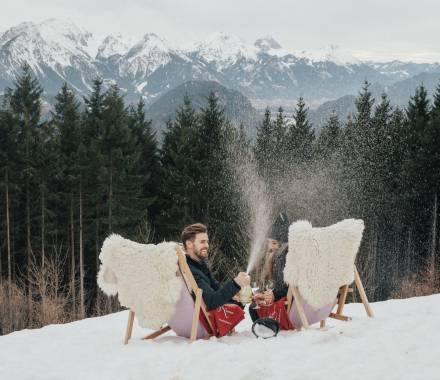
[
  {"x": 313, "y": 316},
  {"x": 181, "y": 321}
]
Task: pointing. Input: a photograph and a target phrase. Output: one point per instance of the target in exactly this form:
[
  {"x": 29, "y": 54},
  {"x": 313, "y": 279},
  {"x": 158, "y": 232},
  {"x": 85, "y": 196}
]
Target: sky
[{"x": 370, "y": 29}]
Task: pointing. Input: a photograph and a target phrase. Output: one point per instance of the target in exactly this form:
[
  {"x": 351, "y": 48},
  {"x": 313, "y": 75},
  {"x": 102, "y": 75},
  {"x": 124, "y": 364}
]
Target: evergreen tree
[
  {"x": 92, "y": 130},
  {"x": 378, "y": 161},
  {"x": 432, "y": 164},
  {"x": 216, "y": 186},
  {"x": 300, "y": 136},
  {"x": 359, "y": 142},
  {"x": 432, "y": 139},
  {"x": 364, "y": 106},
  {"x": 9, "y": 134},
  {"x": 66, "y": 119},
  {"x": 379, "y": 153},
  {"x": 24, "y": 103},
  {"x": 264, "y": 147},
  {"x": 418, "y": 118},
  {"x": 92, "y": 197},
  {"x": 278, "y": 150},
  {"x": 329, "y": 140},
  {"x": 119, "y": 180},
  {"x": 181, "y": 171},
  {"x": 148, "y": 165},
  {"x": 93, "y": 124},
  {"x": 212, "y": 156},
  {"x": 280, "y": 132},
  {"x": 418, "y": 194}
]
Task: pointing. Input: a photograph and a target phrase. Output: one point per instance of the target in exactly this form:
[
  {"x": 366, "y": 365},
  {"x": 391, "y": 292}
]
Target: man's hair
[{"x": 190, "y": 232}]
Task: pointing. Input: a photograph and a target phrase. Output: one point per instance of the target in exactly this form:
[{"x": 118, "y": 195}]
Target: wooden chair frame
[
  {"x": 199, "y": 305},
  {"x": 294, "y": 295}
]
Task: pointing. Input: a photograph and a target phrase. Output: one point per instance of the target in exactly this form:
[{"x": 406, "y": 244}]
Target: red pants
[
  {"x": 223, "y": 319},
  {"x": 276, "y": 310}
]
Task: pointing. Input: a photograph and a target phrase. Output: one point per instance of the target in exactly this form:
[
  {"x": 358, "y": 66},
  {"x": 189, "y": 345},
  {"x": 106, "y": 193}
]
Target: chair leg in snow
[
  {"x": 361, "y": 290},
  {"x": 129, "y": 328},
  {"x": 342, "y": 298},
  {"x": 299, "y": 307},
  {"x": 157, "y": 333},
  {"x": 340, "y": 317}
]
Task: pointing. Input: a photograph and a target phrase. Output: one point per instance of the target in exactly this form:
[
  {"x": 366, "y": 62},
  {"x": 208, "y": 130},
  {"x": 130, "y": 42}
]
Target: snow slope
[{"x": 402, "y": 342}]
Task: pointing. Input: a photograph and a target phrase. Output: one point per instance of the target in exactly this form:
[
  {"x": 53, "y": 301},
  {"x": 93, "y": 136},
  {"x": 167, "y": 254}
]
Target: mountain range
[{"x": 149, "y": 67}]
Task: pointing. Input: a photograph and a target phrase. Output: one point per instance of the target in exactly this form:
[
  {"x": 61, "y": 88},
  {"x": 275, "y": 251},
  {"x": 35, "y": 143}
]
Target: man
[
  {"x": 215, "y": 295},
  {"x": 196, "y": 243}
]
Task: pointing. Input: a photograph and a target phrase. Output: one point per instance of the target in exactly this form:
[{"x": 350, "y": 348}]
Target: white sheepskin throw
[
  {"x": 320, "y": 260},
  {"x": 143, "y": 275}
]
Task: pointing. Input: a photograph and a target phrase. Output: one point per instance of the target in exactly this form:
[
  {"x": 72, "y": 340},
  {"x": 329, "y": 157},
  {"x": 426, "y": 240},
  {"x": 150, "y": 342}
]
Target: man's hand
[{"x": 242, "y": 279}]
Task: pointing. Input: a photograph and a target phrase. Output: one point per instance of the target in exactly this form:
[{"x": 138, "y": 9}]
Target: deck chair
[
  {"x": 299, "y": 310},
  {"x": 302, "y": 314},
  {"x": 185, "y": 321}
]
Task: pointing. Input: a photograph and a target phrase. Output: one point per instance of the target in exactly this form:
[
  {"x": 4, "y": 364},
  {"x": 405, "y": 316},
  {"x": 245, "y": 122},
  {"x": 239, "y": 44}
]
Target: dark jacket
[
  {"x": 214, "y": 294},
  {"x": 280, "y": 288}
]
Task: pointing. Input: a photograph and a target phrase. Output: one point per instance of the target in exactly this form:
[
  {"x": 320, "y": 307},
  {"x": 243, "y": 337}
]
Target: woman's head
[
  {"x": 280, "y": 228},
  {"x": 272, "y": 245}
]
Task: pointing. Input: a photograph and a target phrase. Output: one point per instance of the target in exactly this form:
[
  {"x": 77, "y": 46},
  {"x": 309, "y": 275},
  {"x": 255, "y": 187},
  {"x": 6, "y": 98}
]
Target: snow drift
[{"x": 401, "y": 342}]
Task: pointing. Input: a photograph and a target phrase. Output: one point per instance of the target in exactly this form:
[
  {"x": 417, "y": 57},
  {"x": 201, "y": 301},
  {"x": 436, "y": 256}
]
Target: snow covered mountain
[
  {"x": 145, "y": 57},
  {"x": 224, "y": 51},
  {"x": 55, "y": 50},
  {"x": 113, "y": 46},
  {"x": 60, "y": 51}
]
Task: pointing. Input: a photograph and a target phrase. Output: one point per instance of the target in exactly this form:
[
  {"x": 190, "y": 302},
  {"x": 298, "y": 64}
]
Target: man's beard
[{"x": 201, "y": 256}]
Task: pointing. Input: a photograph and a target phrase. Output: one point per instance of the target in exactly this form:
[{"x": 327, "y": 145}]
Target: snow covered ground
[{"x": 402, "y": 342}]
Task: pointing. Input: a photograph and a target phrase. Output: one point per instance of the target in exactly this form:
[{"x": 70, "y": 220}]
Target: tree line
[{"x": 96, "y": 167}]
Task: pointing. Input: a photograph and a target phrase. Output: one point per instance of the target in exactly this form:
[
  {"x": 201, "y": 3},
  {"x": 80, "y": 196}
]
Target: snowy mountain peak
[
  {"x": 113, "y": 45},
  {"x": 333, "y": 53},
  {"x": 53, "y": 43},
  {"x": 149, "y": 44},
  {"x": 146, "y": 56},
  {"x": 224, "y": 48},
  {"x": 270, "y": 46},
  {"x": 267, "y": 43},
  {"x": 51, "y": 29}
]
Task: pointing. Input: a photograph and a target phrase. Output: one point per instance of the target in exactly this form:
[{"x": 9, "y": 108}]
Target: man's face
[{"x": 199, "y": 247}]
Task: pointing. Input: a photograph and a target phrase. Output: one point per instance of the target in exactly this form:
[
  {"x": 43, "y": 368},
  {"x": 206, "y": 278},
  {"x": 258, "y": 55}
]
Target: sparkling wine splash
[{"x": 256, "y": 202}]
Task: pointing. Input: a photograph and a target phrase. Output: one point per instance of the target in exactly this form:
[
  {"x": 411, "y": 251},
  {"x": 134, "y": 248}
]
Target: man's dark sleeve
[{"x": 215, "y": 298}]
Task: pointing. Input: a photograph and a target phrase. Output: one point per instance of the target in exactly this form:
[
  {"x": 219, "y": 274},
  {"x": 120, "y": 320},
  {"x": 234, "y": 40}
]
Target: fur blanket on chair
[
  {"x": 320, "y": 260},
  {"x": 143, "y": 276}
]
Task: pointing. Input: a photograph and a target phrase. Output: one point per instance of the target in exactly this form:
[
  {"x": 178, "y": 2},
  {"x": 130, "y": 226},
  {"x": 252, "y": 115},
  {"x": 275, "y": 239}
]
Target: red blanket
[
  {"x": 223, "y": 319},
  {"x": 276, "y": 310}
]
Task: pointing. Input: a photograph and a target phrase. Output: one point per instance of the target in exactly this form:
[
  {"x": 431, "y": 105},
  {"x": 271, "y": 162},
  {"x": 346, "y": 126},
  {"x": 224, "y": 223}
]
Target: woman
[{"x": 272, "y": 300}]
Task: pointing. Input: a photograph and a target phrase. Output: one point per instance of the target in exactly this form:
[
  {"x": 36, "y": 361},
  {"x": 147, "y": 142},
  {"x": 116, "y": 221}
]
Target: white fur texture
[
  {"x": 143, "y": 276},
  {"x": 320, "y": 260}
]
